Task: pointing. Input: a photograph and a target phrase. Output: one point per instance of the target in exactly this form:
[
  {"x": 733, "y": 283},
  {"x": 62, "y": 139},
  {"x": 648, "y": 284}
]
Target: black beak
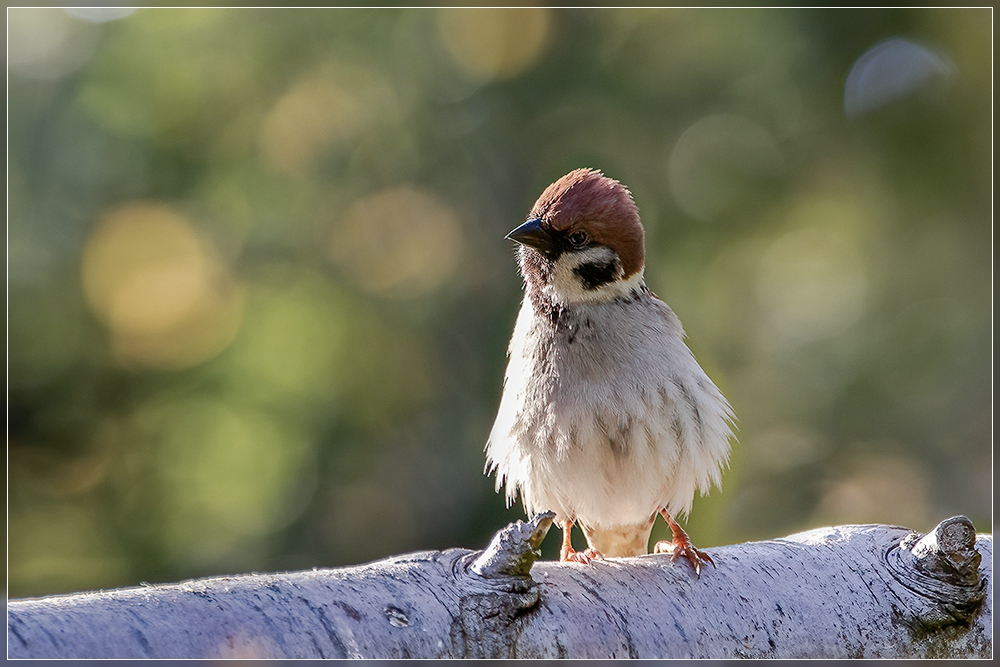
[{"x": 532, "y": 234}]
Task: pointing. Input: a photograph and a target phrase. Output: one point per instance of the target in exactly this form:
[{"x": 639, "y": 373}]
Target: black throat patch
[{"x": 595, "y": 274}]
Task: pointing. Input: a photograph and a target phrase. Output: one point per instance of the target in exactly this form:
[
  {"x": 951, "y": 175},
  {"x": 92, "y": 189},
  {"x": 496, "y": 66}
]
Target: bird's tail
[{"x": 619, "y": 541}]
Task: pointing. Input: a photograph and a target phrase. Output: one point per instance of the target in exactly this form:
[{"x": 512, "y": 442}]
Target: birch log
[{"x": 849, "y": 591}]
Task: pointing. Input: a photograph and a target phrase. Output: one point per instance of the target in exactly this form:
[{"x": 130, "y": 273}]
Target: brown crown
[{"x": 586, "y": 199}]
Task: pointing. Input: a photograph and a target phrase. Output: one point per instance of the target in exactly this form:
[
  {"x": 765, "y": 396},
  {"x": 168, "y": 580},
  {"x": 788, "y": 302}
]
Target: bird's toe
[
  {"x": 684, "y": 550},
  {"x": 585, "y": 557}
]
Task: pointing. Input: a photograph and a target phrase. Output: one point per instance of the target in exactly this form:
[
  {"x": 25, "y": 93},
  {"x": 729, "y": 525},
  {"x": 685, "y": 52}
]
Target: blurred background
[{"x": 259, "y": 295}]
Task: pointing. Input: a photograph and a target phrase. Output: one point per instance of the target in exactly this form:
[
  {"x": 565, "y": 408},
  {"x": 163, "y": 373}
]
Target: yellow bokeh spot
[
  {"x": 243, "y": 647},
  {"x": 310, "y": 118},
  {"x": 877, "y": 488},
  {"x": 400, "y": 242},
  {"x": 494, "y": 43},
  {"x": 165, "y": 296},
  {"x": 813, "y": 281}
]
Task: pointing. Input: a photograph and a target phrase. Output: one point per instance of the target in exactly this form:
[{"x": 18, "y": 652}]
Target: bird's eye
[{"x": 578, "y": 238}]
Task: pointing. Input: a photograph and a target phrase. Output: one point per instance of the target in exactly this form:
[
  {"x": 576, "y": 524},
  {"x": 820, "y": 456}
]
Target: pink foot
[
  {"x": 681, "y": 547},
  {"x": 684, "y": 550},
  {"x": 585, "y": 556}
]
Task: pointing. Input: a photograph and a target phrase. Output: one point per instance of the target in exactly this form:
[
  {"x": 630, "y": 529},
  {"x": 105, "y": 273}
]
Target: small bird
[{"x": 606, "y": 417}]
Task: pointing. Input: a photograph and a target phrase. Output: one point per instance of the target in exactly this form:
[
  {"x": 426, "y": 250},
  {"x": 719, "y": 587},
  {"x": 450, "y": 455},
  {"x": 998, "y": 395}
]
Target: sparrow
[{"x": 606, "y": 417}]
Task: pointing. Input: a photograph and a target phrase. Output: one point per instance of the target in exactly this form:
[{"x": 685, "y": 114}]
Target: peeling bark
[{"x": 848, "y": 591}]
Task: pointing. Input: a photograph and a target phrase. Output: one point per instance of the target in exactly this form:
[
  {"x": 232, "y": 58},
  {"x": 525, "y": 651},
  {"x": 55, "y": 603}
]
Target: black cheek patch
[{"x": 595, "y": 274}]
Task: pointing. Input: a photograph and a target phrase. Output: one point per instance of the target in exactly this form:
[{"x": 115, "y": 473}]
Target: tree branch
[{"x": 847, "y": 591}]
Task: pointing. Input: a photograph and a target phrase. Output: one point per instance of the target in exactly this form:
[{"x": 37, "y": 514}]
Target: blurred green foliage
[{"x": 259, "y": 296}]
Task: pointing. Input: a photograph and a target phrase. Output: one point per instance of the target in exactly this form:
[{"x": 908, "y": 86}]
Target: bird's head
[{"x": 583, "y": 241}]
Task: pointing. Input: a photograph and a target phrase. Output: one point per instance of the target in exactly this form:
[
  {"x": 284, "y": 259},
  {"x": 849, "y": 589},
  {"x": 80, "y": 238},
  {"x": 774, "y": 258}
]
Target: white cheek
[{"x": 568, "y": 287}]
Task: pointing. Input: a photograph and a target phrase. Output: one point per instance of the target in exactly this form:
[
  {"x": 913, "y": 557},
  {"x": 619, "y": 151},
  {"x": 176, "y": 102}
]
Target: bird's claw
[
  {"x": 585, "y": 557},
  {"x": 684, "y": 550}
]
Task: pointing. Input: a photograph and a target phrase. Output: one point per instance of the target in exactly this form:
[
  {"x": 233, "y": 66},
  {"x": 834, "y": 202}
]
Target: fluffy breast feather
[{"x": 606, "y": 416}]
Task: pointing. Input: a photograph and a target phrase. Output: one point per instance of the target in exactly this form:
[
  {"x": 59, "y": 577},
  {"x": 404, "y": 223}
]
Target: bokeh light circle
[
  {"x": 495, "y": 43},
  {"x": 166, "y": 298},
  {"x": 401, "y": 242}
]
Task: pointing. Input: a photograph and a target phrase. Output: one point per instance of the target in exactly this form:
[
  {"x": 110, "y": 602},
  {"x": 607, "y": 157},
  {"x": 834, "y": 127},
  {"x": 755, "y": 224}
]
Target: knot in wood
[
  {"x": 949, "y": 552},
  {"x": 497, "y": 590},
  {"x": 513, "y": 550},
  {"x": 943, "y": 568}
]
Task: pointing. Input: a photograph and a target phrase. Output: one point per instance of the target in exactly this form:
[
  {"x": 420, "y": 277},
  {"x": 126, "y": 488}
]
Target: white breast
[{"x": 607, "y": 417}]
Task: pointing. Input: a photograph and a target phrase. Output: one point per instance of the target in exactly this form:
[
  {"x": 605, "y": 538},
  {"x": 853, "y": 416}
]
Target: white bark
[{"x": 849, "y": 591}]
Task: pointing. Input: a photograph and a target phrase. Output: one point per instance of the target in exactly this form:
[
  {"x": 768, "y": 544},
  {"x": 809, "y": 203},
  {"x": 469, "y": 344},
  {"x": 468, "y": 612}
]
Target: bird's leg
[
  {"x": 681, "y": 547},
  {"x": 569, "y": 555}
]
